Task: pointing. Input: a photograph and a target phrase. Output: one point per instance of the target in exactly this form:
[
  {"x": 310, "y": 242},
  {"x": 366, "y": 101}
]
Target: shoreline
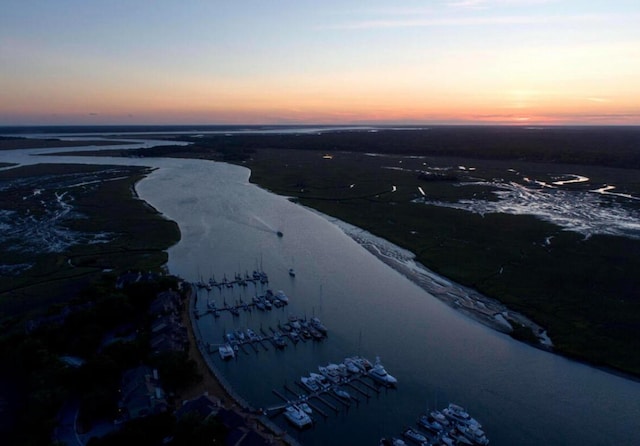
[
  {"x": 215, "y": 384},
  {"x": 471, "y": 303}
]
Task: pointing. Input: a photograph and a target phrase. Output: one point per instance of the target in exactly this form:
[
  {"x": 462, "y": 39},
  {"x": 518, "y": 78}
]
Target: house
[
  {"x": 204, "y": 405},
  {"x": 165, "y": 303},
  {"x": 141, "y": 394}
]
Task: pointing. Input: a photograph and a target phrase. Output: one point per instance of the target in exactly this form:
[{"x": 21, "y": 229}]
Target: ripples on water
[{"x": 585, "y": 212}]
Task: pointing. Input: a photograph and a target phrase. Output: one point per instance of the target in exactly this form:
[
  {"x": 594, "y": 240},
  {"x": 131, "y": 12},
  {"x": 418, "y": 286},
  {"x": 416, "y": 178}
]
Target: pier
[{"x": 326, "y": 396}]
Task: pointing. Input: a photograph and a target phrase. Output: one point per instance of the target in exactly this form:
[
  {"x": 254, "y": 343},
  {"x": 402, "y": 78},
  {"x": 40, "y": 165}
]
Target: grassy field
[
  {"x": 584, "y": 291},
  {"x": 136, "y": 236}
]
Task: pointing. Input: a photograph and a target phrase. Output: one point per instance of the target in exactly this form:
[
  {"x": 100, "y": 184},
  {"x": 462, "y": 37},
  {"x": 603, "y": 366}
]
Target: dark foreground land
[
  {"x": 85, "y": 304},
  {"x": 583, "y": 290},
  {"x": 67, "y": 232}
]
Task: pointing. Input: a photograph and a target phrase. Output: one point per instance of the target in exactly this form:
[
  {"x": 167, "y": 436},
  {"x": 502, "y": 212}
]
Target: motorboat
[
  {"x": 379, "y": 374},
  {"x": 342, "y": 393},
  {"x": 459, "y": 438},
  {"x": 440, "y": 418},
  {"x": 351, "y": 366},
  {"x": 310, "y": 383},
  {"x": 430, "y": 423},
  {"x": 279, "y": 341},
  {"x": 231, "y": 337},
  {"x": 315, "y": 323},
  {"x": 475, "y": 435},
  {"x": 321, "y": 380},
  {"x": 226, "y": 351},
  {"x": 298, "y": 417},
  {"x": 392, "y": 442},
  {"x": 333, "y": 372},
  {"x": 460, "y": 416},
  {"x": 306, "y": 408},
  {"x": 446, "y": 440},
  {"x": 282, "y": 297},
  {"x": 415, "y": 436},
  {"x": 252, "y": 335},
  {"x": 362, "y": 363}
]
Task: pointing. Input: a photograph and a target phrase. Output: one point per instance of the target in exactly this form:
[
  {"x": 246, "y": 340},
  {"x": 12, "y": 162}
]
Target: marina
[
  {"x": 447, "y": 427},
  {"x": 327, "y": 389}
]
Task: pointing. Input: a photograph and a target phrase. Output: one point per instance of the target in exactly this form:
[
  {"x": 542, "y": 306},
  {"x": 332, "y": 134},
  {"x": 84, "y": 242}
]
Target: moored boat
[
  {"x": 342, "y": 393},
  {"x": 298, "y": 417},
  {"x": 459, "y": 415},
  {"x": 415, "y": 435},
  {"x": 226, "y": 351},
  {"x": 430, "y": 423},
  {"x": 379, "y": 374}
]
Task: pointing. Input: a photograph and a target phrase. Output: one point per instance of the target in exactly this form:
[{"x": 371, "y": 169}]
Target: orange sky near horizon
[{"x": 474, "y": 61}]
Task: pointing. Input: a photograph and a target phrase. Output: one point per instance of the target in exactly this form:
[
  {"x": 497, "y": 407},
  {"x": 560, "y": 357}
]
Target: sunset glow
[{"x": 485, "y": 61}]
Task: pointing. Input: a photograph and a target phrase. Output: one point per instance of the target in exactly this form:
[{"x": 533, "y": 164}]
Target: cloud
[
  {"x": 599, "y": 100},
  {"x": 468, "y": 21},
  {"x": 487, "y": 4}
]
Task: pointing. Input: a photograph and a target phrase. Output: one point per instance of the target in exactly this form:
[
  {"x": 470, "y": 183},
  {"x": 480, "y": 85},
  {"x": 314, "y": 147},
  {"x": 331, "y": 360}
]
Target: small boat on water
[
  {"x": 474, "y": 434},
  {"x": 318, "y": 325},
  {"x": 459, "y": 415},
  {"x": 342, "y": 393},
  {"x": 281, "y": 297},
  {"x": 310, "y": 383},
  {"x": 415, "y": 436},
  {"x": 379, "y": 374},
  {"x": 298, "y": 417},
  {"x": 306, "y": 408},
  {"x": 430, "y": 423},
  {"x": 292, "y": 273},
  {"x": 334, "y": 372},
  {"x": 440, "y": 418},
  {"x": 279, "y": 341},
  {"x": 279, "y": 234},
  {"x": 226, "y": 351},
  {"x": 321, "y": 380},
  {"x": 391, "y": 442}
]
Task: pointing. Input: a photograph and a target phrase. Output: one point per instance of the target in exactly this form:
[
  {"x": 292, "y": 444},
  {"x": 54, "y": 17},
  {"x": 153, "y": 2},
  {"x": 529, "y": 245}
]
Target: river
[{"x": 522, "y": 395}]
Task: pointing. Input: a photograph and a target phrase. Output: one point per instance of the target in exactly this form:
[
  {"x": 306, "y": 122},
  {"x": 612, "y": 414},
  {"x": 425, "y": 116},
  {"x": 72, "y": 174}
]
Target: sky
[{"x": 309, "y": 62}]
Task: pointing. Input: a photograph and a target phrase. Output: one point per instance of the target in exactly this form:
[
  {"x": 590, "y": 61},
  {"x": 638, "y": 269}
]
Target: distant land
[{"x": 579, "y": 286}]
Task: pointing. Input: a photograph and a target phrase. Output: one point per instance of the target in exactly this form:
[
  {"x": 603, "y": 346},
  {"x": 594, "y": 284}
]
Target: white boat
[
  {"x": 392, "y": 442},
  {"x": 415, "y": 435},
  {"x": 460, "y": 416},
  {"x": 298, "y": 417},
  {"x": 351, "y": 366},
  {"x": 281, "y": 297},
  {"x": 446, "y": 440},
  {"x": 474, "y": 434},
  {"x": 342, "y": 393},
  {"x": 430, "y": 423},
  {"x": 440, "y": 418},
  {"x": 380, "y": 374},
  {"x": 321, "y": 380},
  {"x": 334, "y": 372},
  {"x": 315, "y": 323},
  {"x": 310, "y": 383},
  {"x": 306, "y": 408},
  {"x": 226, "y": 351}
]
